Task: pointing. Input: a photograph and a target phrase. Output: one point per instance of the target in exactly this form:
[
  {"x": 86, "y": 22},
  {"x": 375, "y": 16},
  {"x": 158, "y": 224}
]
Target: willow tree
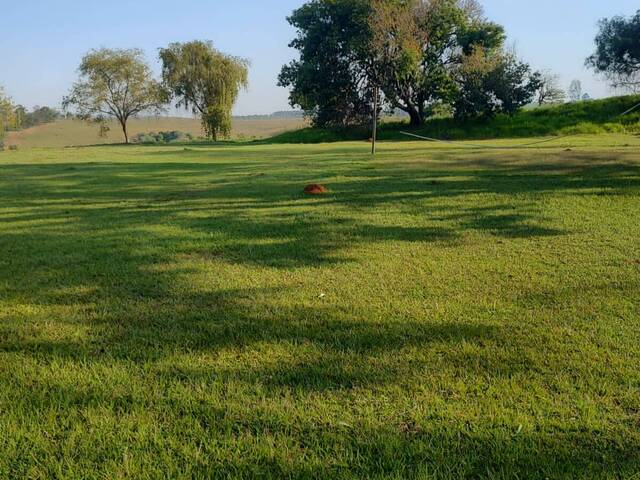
[
  {"x": 205, "y": 81},
  {"x": 114, "y": 84}
]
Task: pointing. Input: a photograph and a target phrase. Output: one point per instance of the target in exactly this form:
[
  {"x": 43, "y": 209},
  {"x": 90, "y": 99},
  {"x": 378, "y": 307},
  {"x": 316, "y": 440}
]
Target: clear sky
[{"x": 42, "y": 41}]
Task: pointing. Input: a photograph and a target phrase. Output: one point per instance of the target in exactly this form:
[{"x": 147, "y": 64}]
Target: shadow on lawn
[
  {"x": 83, "y": 227},
  {"x": 86, "y": 215}
]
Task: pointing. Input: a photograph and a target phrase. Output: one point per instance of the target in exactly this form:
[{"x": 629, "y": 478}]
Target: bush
[
  {"x": 162, "y": 137},
  {"x": 13, "y": 147}
]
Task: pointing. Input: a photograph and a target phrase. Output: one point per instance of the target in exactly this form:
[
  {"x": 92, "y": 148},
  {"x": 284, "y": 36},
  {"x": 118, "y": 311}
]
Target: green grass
[
  {"x": 171, "y": 312},
  {"x": 592, "y": 117}
]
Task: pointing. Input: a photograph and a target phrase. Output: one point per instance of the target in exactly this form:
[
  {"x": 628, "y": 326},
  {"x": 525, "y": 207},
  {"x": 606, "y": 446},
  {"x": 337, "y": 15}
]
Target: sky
[{"x": 42, "y": 41}]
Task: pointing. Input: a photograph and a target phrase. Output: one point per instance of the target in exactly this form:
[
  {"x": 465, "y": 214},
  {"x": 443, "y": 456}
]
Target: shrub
[{"x": 162, "y": 137}]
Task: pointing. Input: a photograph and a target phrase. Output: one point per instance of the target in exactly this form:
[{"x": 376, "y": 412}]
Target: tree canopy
[
  {"x": 617, "y": 54},
  {"x": 206, "y": 81},
  {"x": 114, "y": 84},
  {"x": 494, "y": 82},
  {"x": 38, "y": 116},
  {"x": 418, "y": 52},
  {"x": 328, "y": 81}
]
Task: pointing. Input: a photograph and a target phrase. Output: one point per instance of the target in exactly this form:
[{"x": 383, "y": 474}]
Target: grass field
[
  {"x": 77, "y": 133},
  {"x": 172, "y": 312}
]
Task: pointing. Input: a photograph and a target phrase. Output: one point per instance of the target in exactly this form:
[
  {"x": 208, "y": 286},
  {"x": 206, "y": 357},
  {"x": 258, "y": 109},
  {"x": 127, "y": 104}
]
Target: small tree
[
  {"x": 617, "y": 54},
  {"x": 494, "y": 82},
  {"x": 7, "y": 115},
  {"x": 206, "y": 81},
  {"x": 328, "y": 80},
  {"x": 550, "y": 91},
  {"x": 114, "y": 84},
  {"x": 575, "y": 91}
]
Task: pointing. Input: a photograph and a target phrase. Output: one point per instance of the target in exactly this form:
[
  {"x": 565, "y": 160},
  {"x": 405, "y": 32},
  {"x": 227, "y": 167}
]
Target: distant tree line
[
  {"x": 38, "y": 116},
  {"x": 17, "y": 117},
  {"x": 162, "y": 137}
]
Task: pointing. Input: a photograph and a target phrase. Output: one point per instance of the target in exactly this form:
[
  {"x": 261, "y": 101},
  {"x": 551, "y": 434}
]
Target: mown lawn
[{"x": 172, "y": 312}]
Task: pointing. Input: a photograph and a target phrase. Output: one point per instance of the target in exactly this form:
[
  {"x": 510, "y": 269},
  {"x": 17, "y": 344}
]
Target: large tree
[
  {"x": 329, "y": 81},
  {"x": 114, "y": 84},
  {"x": 206, "y": 81},
  {"x": 430, "y": 40},
  {"x": 410, "y": 49},
  {"x": 617, "y": 54}
]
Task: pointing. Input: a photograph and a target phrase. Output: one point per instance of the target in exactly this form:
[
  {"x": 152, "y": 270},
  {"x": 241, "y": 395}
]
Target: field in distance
[{"x": 78, "y": 133}]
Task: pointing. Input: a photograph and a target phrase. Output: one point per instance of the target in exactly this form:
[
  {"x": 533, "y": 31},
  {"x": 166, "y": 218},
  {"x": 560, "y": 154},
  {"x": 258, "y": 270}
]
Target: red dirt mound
[{"x": 315, "y": 189}]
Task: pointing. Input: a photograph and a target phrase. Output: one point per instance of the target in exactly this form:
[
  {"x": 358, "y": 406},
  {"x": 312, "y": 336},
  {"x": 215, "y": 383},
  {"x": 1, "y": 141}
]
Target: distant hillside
[
  {"x": 64, "y": 133},
  {"x": 588, "y": 117}
]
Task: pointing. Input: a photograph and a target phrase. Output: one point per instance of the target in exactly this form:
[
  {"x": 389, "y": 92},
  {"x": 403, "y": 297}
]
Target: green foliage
[
  {"x": 443, "y": 33},
  {"x": 39, "y": 116},
  {"x": 8, "y": 118},
  {"x": 594, "y": 117},
  {"x": 492, "y": 83},
  {"x": 206, "y": 81},
  {"x": 114, "y": 84},
  {"x": 617, "y": 54},
  {"x": 412, "y": 50},
  {"x": 328, "y": 81},
  {"x": 162, "y": 137}
]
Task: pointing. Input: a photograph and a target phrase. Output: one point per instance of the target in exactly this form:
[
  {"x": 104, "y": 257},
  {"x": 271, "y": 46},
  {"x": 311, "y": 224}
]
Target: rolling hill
[{"x": 65, "y": 133}]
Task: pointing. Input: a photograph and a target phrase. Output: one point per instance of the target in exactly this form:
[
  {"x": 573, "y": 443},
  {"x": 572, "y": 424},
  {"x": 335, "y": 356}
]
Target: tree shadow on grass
[
  {"x": 140, "y": 195},
  {"x": 96, "y": 244}
]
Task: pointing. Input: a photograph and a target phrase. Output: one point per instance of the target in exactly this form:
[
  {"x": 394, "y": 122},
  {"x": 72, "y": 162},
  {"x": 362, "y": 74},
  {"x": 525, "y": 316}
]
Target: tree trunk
[
  {"x": 123, "y": 123},
  {"x": 416, "y": 118}
]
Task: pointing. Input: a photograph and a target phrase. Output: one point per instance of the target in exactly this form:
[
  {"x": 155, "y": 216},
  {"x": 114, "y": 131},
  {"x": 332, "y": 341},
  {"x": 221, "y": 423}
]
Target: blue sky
[{"x": 42, "y": 41}]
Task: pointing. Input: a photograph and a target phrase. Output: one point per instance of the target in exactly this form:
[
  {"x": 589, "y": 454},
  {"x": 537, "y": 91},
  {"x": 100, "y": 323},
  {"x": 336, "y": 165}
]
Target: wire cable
[{"x": 465, "y": 144}]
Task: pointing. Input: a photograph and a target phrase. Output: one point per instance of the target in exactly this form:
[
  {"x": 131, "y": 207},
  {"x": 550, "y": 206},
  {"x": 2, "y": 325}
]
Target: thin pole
[{"x": 375, "y": 122}]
